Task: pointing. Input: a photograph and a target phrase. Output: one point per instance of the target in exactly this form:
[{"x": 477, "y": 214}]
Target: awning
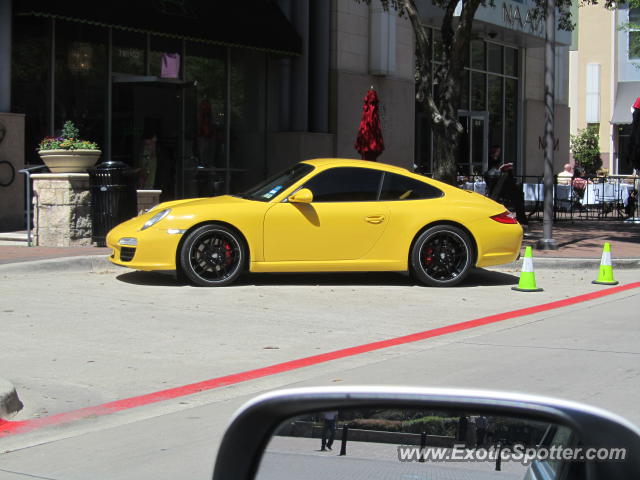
[
  {"x": 256, "y": 24},
  {"x": 626, "y": 95}
]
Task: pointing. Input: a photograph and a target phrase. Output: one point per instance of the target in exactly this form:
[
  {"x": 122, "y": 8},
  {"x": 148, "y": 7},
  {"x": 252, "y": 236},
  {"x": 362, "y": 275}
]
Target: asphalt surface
[
  {"x": 135, "y": 333},
  {"x": 586, "y": 352}
]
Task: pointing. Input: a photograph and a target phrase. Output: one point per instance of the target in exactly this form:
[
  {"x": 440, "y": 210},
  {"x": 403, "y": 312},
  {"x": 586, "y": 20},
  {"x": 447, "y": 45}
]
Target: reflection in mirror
[{"x": 416, "y": 444}]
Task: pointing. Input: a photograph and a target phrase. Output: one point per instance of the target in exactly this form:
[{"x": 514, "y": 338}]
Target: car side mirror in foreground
[
  {"x": 336, "y": 433},
  {"x": 303, "y": 195}
]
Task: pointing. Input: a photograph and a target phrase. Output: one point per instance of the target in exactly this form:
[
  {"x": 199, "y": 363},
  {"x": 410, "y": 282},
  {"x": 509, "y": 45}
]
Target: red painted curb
[{"x": 9, "y": 428}]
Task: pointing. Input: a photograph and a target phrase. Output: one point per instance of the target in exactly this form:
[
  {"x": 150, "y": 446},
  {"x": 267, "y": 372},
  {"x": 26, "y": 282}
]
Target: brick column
[{"x": 62, "y": 209}]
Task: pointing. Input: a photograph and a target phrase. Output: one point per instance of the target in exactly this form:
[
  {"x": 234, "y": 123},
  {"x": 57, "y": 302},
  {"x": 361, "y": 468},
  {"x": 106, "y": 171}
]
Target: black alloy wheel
[
  {"x": 441, "y": 256},
  {"x": 213, "y": 256}
]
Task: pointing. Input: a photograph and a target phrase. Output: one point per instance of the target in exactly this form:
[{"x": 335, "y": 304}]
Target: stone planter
[
  {"x": 62, "y": 209},
  {"x": 69, "y": 161}
]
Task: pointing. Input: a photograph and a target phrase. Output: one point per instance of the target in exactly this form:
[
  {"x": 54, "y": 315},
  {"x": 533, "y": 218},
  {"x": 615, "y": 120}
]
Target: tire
[
  {"x": 441, "y": 256},
  {"x": 213, "y": 256}
]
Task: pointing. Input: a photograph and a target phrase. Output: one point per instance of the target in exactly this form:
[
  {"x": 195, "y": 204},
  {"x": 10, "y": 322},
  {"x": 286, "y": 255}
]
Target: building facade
[
  {"x": 503, "y": 91},
  {"x": 605, "y": 79},
  {"x": 224, "y": 95}
]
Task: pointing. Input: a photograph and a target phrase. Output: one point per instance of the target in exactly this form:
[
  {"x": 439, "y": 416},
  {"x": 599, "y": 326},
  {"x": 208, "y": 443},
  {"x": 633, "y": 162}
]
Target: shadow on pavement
[
  {"x": 151, "y": 279},
  {"x": 480, "y": 277},
  {"x": 476, "y": 278}
]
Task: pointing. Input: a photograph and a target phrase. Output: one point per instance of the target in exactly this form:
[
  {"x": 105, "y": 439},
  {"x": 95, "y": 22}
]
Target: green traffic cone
[
  {"x": 527, "y": 281},
  {"x": 605, "y": 275}
]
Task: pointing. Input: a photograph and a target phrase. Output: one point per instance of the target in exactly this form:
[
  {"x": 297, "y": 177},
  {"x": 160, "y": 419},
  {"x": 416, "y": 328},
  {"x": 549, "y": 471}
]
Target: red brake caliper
[
  {"x": 427, "y": 255},
  {"x": 228, "y": 254}
]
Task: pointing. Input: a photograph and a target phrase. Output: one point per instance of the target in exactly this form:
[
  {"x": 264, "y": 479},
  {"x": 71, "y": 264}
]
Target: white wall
[
  {"x": 351, "y": 78},
  {"x": 628, "y": 70}
]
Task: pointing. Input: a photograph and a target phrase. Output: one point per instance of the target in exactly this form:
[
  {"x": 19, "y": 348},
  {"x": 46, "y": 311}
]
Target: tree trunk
[{"x": 445, "y": 152}]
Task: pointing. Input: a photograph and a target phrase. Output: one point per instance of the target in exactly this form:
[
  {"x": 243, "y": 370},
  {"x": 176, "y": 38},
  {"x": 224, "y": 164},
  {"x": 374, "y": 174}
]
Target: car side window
[
  {"x": 345, "y": 184},
  {"x": 399, "y": 187}
]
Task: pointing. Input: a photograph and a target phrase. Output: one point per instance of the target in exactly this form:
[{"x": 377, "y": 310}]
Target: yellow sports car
[{"x": 325, "y": 215}]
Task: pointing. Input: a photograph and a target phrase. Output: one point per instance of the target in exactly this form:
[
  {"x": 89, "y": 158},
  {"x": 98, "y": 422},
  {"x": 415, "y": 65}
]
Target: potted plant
[
  {"x": 68, "y": 153},
  {"x": 586, "y": 150}
]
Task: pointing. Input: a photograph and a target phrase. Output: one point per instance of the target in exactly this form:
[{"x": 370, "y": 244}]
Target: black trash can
[{"x": 113, "y": 197}]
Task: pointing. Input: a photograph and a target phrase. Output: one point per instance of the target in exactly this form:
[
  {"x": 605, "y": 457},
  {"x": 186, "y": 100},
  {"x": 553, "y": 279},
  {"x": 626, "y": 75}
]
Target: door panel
[
  {"x": 323, "y": 231},
  {"x": 473, "y": 149}
]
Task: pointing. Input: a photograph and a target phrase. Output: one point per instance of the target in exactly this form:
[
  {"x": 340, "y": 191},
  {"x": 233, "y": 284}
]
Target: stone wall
[{"x": 62, "y": 210}]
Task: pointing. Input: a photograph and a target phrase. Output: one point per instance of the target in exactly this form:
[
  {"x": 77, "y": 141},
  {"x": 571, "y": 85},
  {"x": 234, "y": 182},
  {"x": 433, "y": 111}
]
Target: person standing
[
  {"x": 492, "y": 175},
  {"x": 481, "y": 429},
  {"x": 328, "y": 429},
  {"x": 462, "y": 428}
]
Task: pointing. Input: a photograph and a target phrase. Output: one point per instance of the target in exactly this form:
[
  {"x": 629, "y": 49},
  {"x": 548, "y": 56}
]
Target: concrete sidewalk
[
  {"x": 585, "y": 239},
  {"x": 578, "y": 240}
]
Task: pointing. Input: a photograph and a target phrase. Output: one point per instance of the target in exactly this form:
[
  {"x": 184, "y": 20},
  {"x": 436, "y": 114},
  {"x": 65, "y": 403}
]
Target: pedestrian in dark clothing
[
  {"x": 328, "y": 428},
  {"x": 462, "y": 428},
  {"x": 481, "y": 429},
  {"x": 508, "y": 191},
  {"x": 512, "y": 192}
]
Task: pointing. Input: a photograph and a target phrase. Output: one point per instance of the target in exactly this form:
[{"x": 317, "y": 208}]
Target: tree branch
[{"x": 424, "y": 94}]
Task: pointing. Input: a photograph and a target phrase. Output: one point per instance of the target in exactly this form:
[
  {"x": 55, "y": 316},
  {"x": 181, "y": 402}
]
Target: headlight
[
  {"x": 128, "y": 242},
  {"x": 155, "y": 219}
]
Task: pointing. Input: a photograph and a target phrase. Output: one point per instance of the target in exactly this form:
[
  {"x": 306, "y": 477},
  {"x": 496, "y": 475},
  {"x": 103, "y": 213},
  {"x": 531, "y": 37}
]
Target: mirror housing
[
  {"x": 304, "y": 195},
  {"x": 251, "y": 428}
]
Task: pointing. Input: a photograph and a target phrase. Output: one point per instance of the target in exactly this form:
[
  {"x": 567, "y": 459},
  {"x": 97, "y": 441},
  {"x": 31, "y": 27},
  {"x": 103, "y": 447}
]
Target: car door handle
[{"x": 375, "y": 219}]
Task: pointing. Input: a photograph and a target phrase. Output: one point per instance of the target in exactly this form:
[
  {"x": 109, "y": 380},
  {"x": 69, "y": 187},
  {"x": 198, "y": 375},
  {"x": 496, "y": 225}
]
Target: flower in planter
[{"x": 68, "y": 140}]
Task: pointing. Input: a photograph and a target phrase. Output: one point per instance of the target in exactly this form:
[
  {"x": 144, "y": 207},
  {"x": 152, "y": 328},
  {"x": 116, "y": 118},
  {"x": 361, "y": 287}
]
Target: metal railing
[{"x": 27, "y": 173}]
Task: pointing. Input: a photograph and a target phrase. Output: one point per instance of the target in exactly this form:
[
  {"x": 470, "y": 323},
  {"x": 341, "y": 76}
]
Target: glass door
[{"x": 474, "y": 149}]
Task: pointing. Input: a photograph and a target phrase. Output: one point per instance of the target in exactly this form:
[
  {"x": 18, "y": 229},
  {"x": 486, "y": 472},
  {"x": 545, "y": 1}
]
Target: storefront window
[
  {"x": 128, "y": 52},
  {"x": 478, "y": 91},
  {"x": 205, "y": 68},
  {"x": 494, "y": 54},
  {"x": 488, "y": 106},
  {"x": 495, "y": 110},
  {"x": 80, "y": 78},
  {"x": 464, "y": 90},
  {"x": 634, "y": 33},
  {"x": 30, "y": 79},
  {"x": 510, "y": 150},
  {"x": 167, "y": 50},
  {"x": 624, "y": 161},
  {"x": 478, "y": 55},
  {"x": 248, "y": 117},
  {"x": 510, "y": 61}
]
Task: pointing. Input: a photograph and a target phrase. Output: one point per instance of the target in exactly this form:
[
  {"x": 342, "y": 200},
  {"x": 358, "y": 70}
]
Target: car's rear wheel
[
  {"x": 212, "y": 256},
  {"x": 441, "y": 256}
]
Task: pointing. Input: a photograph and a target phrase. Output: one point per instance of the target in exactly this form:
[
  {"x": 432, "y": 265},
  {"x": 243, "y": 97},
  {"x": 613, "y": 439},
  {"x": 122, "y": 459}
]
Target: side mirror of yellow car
[{"x": 303, "y": 195}]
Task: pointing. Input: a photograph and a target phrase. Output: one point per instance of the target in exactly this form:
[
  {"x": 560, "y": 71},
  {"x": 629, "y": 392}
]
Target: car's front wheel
[
  {"x": 213, "y": 256},
  {"x": 441, "y": 256}
]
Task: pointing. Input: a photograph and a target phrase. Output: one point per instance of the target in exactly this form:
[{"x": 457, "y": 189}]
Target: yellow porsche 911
[{"x": 325, "y": 215}]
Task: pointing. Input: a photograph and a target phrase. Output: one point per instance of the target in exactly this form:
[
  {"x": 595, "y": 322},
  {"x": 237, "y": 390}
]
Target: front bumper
[{"x": 155, "y": 250}]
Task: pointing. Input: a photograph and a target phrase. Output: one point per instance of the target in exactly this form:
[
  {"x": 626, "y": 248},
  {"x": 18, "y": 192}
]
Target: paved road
[
  {"x": 288, "y": 457},
  {"x": 127, "y": 334}
]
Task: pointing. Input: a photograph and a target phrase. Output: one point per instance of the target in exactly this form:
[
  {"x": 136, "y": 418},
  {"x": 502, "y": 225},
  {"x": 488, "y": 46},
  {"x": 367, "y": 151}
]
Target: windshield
[{"x": 268, "y": 189}]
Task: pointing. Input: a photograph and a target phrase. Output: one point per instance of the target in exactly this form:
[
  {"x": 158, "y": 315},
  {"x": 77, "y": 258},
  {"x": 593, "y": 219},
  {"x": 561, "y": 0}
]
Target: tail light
[{"x": 505, "y": 217}]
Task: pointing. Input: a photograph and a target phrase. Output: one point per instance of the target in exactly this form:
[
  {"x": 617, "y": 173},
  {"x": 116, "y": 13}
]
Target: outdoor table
[
  {"x": 534, "y": 193},
  {"x": 599, "y": 193}
]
